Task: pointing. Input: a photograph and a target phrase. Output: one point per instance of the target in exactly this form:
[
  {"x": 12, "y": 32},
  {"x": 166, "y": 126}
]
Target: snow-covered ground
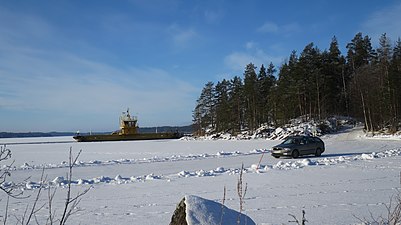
[{"x": 141, "y": 182}]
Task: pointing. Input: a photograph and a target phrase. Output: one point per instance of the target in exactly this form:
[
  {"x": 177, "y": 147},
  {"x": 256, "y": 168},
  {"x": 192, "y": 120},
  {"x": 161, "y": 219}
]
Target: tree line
[{"x": 363, "y": 84}]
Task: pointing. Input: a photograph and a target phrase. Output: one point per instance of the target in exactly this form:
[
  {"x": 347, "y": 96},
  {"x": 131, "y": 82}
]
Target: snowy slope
[{"x": 141, "y": 182}]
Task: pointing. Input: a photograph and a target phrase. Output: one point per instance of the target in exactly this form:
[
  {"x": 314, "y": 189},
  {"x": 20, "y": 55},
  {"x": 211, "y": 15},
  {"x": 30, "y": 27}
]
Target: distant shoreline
[
  {"x": 34, "y": 134},
  {"x": 181, "y": 129}
]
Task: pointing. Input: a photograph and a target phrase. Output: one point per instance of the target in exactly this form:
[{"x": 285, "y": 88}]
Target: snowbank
[
  {"x": 336, "y": 160},
  {"x": 281, "y": 165},
  {"x": 154, "y": 159}
]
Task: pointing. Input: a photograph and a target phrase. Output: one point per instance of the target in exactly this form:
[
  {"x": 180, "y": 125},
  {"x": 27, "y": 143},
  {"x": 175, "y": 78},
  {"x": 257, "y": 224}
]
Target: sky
[{"x": 77, "y": 65}]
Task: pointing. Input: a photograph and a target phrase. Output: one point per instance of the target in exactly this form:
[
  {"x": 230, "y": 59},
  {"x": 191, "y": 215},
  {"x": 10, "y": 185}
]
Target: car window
[
  {"x": 291, "y": 141},
  {"x": 317, "y": 139},
  {"x": 312, "y": 140}
]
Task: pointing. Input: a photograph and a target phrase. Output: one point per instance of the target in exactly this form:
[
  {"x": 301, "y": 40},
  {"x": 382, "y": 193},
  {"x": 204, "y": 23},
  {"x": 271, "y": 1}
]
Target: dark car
[{"x": 295, "y": 146}]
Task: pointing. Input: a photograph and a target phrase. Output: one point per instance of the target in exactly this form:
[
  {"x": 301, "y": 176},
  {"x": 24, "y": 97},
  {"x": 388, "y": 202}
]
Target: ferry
[{"x": 128, "y": 132}]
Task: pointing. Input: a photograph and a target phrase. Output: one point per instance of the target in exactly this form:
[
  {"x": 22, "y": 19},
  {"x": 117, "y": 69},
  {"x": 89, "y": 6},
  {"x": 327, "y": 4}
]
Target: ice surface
[{"x": 140, "y": 182}]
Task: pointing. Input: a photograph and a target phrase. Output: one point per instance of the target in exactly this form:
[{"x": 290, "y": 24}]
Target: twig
[
  {"x": 71, "y": 203},
  {"x": 6, "y": 212},
  {"x": 222, "y": 205},
  {"x": 50, "y": 196},
  {"x": 5, "y": 154},
  {"x": 241, "y": 193},
  {"x": 303, "y": 222},
  {"x": 260, "y": 160},
  {"x": 34, "y": 210},
  {"x": 295, "y": 219}
]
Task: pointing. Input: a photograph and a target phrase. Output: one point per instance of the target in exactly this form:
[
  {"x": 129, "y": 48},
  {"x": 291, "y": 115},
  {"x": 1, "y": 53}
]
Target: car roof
[
  {"x": 297, "y": 136},
  {"x": 302, "y": 136}
]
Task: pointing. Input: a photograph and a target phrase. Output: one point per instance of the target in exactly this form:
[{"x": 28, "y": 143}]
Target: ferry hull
[{"x": 126, "y": 137}]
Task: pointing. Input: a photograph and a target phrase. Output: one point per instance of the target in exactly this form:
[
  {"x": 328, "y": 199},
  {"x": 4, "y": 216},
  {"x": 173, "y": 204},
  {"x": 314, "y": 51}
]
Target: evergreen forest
[{"x": 364, "y": 84}]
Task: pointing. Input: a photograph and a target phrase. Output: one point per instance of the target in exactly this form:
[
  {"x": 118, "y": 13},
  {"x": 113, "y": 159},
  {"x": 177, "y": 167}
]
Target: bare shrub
[
  {"x": 5, "y": 154},
  {"x": 393, "y": 212},
  {"x": 222, "y": 205},
  {"x": 241, "y": 191},
  {"x": 303, "y": 220},
  {"x": 34, "y": 207}
]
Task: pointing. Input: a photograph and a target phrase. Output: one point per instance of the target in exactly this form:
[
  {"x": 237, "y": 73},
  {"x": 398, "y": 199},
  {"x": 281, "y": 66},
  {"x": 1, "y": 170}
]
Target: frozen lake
[{"x": 140, "y": 182}]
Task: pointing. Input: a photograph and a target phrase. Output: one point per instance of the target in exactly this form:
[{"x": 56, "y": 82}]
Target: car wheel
[
  {"x": 295, "y": 154},
  {"x": 276, "y": 156},
  {"x": 318, "y": 152}
]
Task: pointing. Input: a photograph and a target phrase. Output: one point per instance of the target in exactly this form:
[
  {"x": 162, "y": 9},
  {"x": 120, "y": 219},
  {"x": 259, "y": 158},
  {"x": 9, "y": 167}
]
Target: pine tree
[
  {"x": 395, "y": 78},
  {"x": 309, "y": 79},
  {"x": 262, "y": 95},
  {"x": 222, "y": 106},
  {"x": 387, "y": 104},
  {"x": 204, "y": 113},
  {"x": 360, "y": 55},
  {"x": 250, "y": 95},
  {"x": 269, "y": 84},
  {"x": 236, "y": 102},
  {"x": 360, "y": 52},
  {"x": 285, "y": 94},
  {"x": 334, "y": 99}
]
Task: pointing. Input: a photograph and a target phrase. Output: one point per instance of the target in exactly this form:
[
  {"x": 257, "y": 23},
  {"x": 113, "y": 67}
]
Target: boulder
[
  {"x": 194, "y": 210},
  {"x": 179, "y": 216}
]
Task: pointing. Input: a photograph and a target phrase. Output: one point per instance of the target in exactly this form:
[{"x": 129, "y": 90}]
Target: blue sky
[{"x": 76, "y": 65}]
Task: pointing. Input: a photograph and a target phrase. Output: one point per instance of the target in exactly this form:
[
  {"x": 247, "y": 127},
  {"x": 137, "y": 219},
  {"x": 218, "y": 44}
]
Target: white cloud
[
  {"x": 386, "y": 20},
  {"x": 291, "y": 28},
  {"x": 269, "y": 27},
  {"x": 213, "y": 16},
  {"x": 250, "y": 45},
  {"x": 18, "y": 26},
  {"x": 285, "y": 29},
  {"x": 90, "y": 87},
  {"x": 182, "y": 37},
  {"x": 41, "y": 79},
  {"x": 237, "y": 61}
]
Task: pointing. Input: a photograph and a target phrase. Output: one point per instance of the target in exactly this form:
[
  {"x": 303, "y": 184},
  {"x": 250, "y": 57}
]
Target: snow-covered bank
[
  {"x": 330, "y": 126},
  {"x": 299, "y": 126}
]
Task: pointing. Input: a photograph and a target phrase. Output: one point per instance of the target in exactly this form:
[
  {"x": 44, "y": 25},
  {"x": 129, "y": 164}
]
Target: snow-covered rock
[
  {"x": 298, "y": 126},
  {"x": 194, "y": 210}
]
